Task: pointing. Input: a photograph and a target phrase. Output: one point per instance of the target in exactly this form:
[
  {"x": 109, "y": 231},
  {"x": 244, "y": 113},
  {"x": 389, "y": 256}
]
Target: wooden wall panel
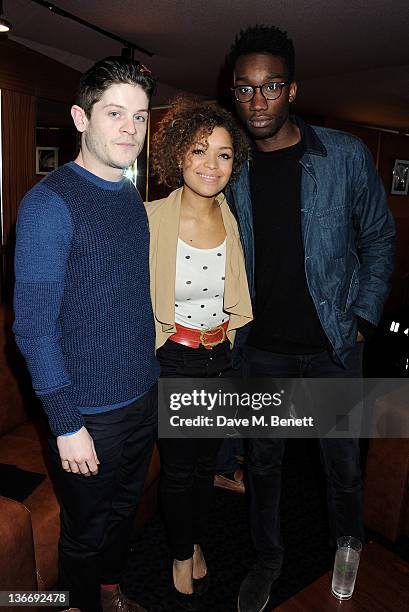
[
  {"x": 25, "y": 76},
  {"x": 396, "y": 146},
  {"x": 26, "y": 71},
  {"x": 156, "y": 190},
  {"x": 18, "y": 152}
]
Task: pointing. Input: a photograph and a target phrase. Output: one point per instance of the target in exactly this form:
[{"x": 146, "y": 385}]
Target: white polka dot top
[{"x": 199, "y": 287}]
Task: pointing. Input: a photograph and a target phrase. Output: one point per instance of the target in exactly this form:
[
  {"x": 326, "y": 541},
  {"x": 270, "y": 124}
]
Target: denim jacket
[{"x": 348, "y": 232}]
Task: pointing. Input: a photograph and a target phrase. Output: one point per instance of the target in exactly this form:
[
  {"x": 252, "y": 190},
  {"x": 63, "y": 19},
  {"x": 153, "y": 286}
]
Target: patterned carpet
[
  {"x": 303, "y": 517},
  {"x": 228, "y": 550}
]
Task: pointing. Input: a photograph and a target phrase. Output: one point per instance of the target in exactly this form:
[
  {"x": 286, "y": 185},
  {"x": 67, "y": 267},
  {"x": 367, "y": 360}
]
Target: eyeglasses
[{"x": 271, "y": 91}]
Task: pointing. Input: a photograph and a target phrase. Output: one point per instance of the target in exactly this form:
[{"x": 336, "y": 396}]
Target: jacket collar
[{"x": 309, "y": 137}]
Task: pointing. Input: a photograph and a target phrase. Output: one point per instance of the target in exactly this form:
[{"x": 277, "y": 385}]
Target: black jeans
[
  {"x": 97, "y": 512},
  {"x": 188, "y": 466},
  {"x": 179, "y": 361},
  {"x": 340, "y": 458}
]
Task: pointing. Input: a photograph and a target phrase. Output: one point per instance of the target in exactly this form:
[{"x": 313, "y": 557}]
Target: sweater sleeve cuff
[
  {"x": 62, "y": 415},
  {"x": 366, "y": 328}
]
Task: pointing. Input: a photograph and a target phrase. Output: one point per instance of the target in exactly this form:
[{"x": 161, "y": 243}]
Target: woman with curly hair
[{"x": 200, "y": 297}]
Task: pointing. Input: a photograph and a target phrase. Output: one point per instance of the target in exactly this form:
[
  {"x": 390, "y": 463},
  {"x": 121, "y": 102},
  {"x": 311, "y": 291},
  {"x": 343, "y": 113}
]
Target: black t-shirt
[{"x": 285, "y": 318}]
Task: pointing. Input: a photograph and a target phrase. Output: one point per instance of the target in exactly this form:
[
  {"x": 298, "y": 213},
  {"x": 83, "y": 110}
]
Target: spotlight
[
  {"x": 5, "y": 26},
  {"x": 131, "y": 172}
]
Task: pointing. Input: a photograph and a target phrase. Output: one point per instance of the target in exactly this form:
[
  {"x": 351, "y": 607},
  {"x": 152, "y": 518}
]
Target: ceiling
[{"x": 352, "y": 57}]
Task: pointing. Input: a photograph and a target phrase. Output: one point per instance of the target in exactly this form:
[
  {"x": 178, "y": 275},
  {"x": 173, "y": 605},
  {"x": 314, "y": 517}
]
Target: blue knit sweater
[{"x": 83, "y": 316}]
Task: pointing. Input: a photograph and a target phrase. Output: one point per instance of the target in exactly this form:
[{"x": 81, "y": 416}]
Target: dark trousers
[
  {"x": 340, "y": 458},
  {"x": 230, "y": 449},
  {"x": 188, "y": 466},
  {"x": 187, "y": 491},
  {"x": 97, "y": 512}
]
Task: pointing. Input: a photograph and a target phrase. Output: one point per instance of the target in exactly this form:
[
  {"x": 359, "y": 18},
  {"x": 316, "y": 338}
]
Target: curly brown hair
[{"x": 186, "y": 122}]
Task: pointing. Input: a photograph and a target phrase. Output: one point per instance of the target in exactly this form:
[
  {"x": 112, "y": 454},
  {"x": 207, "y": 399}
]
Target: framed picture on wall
[
  {"x": 46, "y": 159},
  {"x": 400, "y": 177}
]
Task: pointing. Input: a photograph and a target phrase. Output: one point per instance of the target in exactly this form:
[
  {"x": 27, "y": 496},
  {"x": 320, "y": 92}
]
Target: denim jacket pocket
[
  {"x": 333, "y": 227},
  {"x": 348, "y": 326},
  {"x": 352, "y": 290}
]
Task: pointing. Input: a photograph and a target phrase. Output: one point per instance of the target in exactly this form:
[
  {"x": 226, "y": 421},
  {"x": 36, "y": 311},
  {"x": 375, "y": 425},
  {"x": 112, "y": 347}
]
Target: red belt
[{"x": 196, "y": 337}]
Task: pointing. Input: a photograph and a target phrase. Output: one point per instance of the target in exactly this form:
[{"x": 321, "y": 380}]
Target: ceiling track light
[
  {"x": 59, "y": 11},
  {"x": 5, "y": 26},
  {"x": 128, "y": 52}
]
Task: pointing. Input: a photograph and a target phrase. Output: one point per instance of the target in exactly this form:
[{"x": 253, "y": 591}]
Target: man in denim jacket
[{"x": 319, "y": 244}]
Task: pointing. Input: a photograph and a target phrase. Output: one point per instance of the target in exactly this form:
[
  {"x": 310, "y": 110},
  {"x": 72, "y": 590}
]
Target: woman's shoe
[
  {"x": 184, "y": 601},
  {"x": 201, "y": 585}
]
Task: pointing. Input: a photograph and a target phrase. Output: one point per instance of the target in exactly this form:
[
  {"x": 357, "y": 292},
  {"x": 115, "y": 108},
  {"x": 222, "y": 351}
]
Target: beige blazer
[{"x": 164, "y": 231}]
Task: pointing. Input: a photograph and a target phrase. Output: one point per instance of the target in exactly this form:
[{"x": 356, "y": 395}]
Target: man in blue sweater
[
  {"x": 84, "y": 323},
  {"x": 319, "y": 242}
]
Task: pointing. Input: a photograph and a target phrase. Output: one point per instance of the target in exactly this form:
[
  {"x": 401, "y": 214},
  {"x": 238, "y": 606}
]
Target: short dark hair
[
  {"x": 187, "y": 120},
  {"x": 264, "y": 39},
  {"x": 110, "y": 71}
]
